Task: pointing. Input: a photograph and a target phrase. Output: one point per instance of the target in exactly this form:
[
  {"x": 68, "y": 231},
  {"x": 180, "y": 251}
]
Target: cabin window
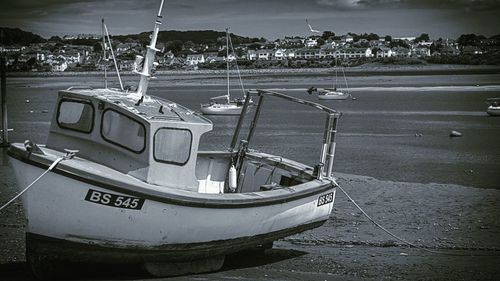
[
  {"x": 172, "y": 145},
  {"x": 76, "y": 115},
  {"x": 123, "y": 131}
]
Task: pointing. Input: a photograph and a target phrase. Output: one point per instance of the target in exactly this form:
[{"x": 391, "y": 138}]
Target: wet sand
[
  {"x": 377, "y": 138},
  {"x": 460, "y": 222}
]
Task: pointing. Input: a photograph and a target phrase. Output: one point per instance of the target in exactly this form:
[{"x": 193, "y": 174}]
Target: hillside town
[{"x": 85, "y": 53}]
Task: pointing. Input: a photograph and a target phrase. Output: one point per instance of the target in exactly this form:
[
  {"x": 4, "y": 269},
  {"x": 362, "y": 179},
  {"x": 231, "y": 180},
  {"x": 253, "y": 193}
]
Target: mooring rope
[
  {"x": 69, "y": 155},
  {"x": 52, "y": 166},
  {"x": 394, "y": 235}
]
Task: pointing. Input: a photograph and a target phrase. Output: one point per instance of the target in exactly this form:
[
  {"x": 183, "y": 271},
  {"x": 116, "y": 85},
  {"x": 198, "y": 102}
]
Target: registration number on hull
[
  {"x": 325, "y": 199},
  {"x": 114, "y": 200}
]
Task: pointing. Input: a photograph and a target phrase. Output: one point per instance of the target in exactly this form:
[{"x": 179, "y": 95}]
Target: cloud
[
  {"x": 341, "y": 4},
  {"x": 465, "y": 5}
]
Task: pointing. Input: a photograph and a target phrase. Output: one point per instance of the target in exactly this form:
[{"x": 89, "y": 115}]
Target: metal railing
[{"x": 328, "y": 146}]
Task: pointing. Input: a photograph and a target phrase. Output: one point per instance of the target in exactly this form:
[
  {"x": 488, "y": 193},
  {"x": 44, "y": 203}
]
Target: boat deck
[{"x": 100, "y": 175}]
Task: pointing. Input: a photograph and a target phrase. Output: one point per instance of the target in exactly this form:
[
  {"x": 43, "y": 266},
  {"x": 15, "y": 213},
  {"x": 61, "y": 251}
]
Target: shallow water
[{"x": 397, "y": 128}]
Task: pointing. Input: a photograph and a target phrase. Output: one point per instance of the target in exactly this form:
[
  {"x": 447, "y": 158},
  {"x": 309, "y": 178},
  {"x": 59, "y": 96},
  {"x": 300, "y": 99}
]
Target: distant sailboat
[
  {"x": 336, "y": 92},
  {"x": 224, "y": 105},
  {"x": 494, "y": 106}
]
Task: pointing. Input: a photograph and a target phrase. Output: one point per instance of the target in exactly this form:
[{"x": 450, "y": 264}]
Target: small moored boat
[
  {"x": 130, "y": 185},
  {"x": 335, "y": 93},
  {"x": 225, "y": 105},
  {"x": 332, "y": 94},
  {"x": 493, "y": 106}
]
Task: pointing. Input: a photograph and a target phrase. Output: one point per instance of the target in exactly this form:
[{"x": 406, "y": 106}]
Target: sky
[{"x": 270, "y": 19}]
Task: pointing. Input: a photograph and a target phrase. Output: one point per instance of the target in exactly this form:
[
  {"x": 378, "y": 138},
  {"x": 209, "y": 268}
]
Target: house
[
  {"x": 251, "y": 55},
  {"x": 124, "y": 47},
  {"x": 265, "y": 54},
  {"x": 347, "y": 38},
  {"x": 401, "y": 52},
  {"x": 311, "y": 42},
  {"x": 175, "y": 62},
  {"x": 295, "y": 42},
  {"x": 306, "y": 53},
  {"x": 384, "y": 52},
  {"x": 213, "y": 59},
  {"x": 450, "y": 49},
  {"x": 280, "y": 54},
  {"x": 231, "y": 57},
  {"x": 12, "y": 49},
  {"x": 59, "y": 65},
  {"x": 347, "y": 53},
  {"x": 126, "y": 65},
  {"x": 328, "y": 53},
  {"x": 472, "y": 50},
  {"x": 407, "y": 38},
  {"x": 290, "y": 54},
  {"x": 420, "y": 52},
  {"x": 425, "y": 43},
  {"x": 195, "y": 59},
  {"x": 330, "y": 44}
]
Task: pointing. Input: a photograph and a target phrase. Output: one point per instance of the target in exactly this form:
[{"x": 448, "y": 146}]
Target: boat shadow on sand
[{"x": 19, "y": 271}]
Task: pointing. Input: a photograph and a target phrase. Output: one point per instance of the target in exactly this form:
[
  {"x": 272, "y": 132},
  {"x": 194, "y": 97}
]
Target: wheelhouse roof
[{"x": 152, "y": 109}]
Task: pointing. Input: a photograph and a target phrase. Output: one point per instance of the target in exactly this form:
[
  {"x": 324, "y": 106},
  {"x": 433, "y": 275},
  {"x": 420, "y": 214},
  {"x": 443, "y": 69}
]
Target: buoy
[
  {"x": 232, "y": 179},
  {"x": 455, "y": 134}
]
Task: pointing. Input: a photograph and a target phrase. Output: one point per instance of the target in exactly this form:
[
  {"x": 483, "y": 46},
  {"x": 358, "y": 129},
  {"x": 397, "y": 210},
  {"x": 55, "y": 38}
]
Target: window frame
[
  {"x": 75, "y": 101},
  {"x": 173, "y": 162},
  {"x": 118, "y": 144}
]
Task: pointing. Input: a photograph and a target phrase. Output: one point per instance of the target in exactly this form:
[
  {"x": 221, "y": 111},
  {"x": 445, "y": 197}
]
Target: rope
[
  {"x": 31, "y": 184},
  {"x": 394, "y": 235}
]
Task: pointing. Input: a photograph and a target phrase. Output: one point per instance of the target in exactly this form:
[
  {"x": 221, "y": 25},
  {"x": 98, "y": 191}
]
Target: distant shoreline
[{"x": 367, "y": 69}]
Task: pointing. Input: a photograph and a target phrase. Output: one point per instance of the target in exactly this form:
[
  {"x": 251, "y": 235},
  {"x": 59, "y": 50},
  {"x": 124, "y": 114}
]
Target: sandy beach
[
  {"x": 439, "y": 193},
  {"x": 458, "y": 222}
]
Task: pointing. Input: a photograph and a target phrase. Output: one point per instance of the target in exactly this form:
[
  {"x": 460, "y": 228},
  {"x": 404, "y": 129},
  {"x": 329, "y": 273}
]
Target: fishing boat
[
  {"x": 225, "y": 105},
  {"x": 121, "y": 180},
  {"x": 493, "y": 106}
]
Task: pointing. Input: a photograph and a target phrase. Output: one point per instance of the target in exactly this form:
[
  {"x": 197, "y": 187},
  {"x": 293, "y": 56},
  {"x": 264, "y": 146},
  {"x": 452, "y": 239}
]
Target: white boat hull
[
  {"x": 332, "y": 95},
  {"x": 56, "y": 209},
  {"x": 493, "y": 110},
  {"x": 221, "y": 109}
]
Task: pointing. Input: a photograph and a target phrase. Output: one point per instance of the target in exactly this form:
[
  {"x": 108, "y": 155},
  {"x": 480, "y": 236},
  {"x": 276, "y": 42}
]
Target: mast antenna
[{"x": 148, "y": 62}]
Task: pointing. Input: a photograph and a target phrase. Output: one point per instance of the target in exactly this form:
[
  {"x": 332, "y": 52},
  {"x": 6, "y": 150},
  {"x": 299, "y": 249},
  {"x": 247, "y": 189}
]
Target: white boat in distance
[
  {"x": 494, "y": 106},
  {"x": 224, "y": 105},
  {"x": 334, "y": 93},
  {"x": 139, "y": 190}
]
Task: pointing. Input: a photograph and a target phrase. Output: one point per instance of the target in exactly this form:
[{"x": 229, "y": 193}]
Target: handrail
[
  {"x": 79, "y": 88},
  {"x": 294, "y": 99},
  {"x": 328, "y": 146}
]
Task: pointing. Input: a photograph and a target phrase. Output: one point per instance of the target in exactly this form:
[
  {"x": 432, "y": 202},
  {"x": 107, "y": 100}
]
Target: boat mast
[
  {"x": 336, "y": 76},
  {"x": 150, "y": 56},
  {"x": 227, "y": 64},
  {"x": 104, "y": 59},
  {"x": 113, "y": 55}
]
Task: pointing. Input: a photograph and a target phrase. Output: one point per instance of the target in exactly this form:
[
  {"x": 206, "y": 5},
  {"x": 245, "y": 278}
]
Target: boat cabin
[
  {"x": 154, "y": 143},
  {"x": 153, "y": 140}
]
